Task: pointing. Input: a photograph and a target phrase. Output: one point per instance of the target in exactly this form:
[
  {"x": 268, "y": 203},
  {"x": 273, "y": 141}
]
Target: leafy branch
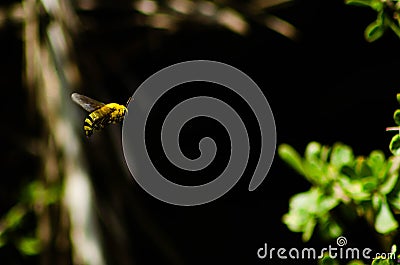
[
  {"x": 388, "y": 17},
  {"x": 366, "y": 187},
  {"x": 369, "y": 186}
]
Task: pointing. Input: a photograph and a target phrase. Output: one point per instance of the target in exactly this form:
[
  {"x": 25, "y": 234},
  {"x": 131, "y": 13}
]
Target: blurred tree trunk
[
  {"x": 98, "y": 212},
  {"x": 67, "y": 232}
]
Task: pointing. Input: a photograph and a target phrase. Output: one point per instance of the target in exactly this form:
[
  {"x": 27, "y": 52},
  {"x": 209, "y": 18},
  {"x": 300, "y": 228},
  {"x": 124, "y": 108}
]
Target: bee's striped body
[{"x": 100, "y": 114}]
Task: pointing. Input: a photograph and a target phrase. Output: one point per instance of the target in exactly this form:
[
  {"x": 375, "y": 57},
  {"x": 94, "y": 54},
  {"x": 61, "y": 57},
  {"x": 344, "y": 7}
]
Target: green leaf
[
  {"x": 369, "y": 184},
  {"x": 14, "y": 216},
  {"x": 308, "y": 208},
  {"x": 314, "y": 171},
  {"x": 395, "y": 201},
  {"x": 37, "y": 193},
  {"x": 385, "y": 221},
  {"x": 396, "y": 116},
  {"x": 329, "y": 229},
  {"x": 301, "y": 209},
  {"x": 296, "y": 220},
  {"x": 326, "y": 203},
  {"x": 348, "y": 171},
  {"x": 354, "y": 189},
  {"x": 341, "y": 155},
  {"x": 395, "y": 145},
  {"x": 374, "y": 31},
  {"x": 309, "y": 229},
  {"x": 313, "y": 151},
  {"x": 389, "y": 183},
  {"x": 359, "y": 2},
  {"x": 376, "y": 161},
  {"x": 374, "y": 4},
  {"x": 393, "y": 249},
  {"x": 361, "y": 168},
  {"x": 290, "y": 156},
  {"x": 376, "y": 201},
  {"x": 29, "y": 246},
  {"x": 377, "y": 157},
  {"x": 393, "y": 26},
  {"x": 324, "y": 154}
]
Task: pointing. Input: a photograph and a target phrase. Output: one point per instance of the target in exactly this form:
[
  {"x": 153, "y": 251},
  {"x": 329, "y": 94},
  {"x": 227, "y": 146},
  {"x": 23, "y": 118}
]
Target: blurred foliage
[
  {"x": 355, "y": 186},
  {"x": 14, "y": 226},
  {"x": 367, "y": 185}
]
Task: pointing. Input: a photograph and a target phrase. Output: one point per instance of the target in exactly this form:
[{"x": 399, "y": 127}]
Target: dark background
[{"x": 329, "y": 85}]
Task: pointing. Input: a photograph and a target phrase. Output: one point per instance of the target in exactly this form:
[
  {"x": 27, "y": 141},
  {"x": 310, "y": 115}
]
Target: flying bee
[{"x": 100, "y": 114}]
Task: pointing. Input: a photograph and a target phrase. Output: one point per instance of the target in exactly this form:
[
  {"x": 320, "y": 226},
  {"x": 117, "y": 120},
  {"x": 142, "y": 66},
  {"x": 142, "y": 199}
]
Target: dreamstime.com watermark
[{"x": 340, "y": 252}]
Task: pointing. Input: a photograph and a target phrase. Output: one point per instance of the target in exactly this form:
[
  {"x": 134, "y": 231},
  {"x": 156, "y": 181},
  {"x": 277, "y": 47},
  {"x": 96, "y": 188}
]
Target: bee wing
[{"x": 86, "y": 103}]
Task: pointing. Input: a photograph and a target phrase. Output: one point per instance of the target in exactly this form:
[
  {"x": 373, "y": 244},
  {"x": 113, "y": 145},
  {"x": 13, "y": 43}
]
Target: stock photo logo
[
  {"x": 134, "y": 131},
  {"x": 340, "y": 251}
]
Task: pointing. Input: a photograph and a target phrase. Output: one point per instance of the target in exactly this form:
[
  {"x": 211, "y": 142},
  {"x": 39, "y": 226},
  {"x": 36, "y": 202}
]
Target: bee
[{"x": 100, "y": 114}]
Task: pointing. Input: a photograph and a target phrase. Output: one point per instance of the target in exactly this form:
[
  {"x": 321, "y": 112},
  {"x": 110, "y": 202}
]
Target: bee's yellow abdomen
[
  {"x": 88, "y": 122},
  {"x": 88, "y": 126},
  {"x": 98, "y": 119}
]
